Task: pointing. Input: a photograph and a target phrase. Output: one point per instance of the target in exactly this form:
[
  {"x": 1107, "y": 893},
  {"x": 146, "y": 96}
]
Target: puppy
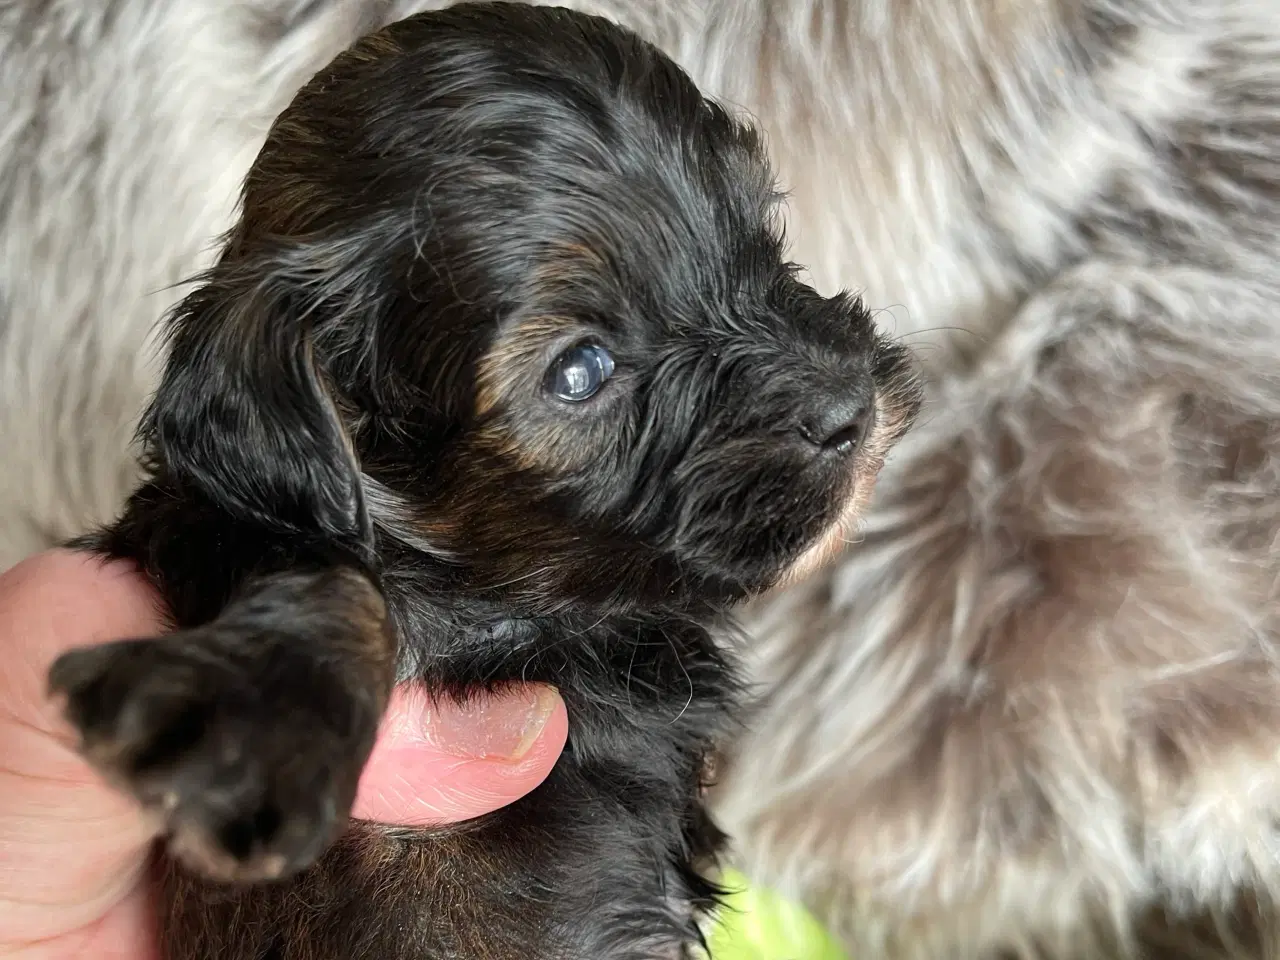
[{"x": 501, "y": 376}]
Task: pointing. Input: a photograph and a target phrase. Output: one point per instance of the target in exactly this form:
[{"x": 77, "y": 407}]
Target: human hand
[{"x": 74, "y": 852}]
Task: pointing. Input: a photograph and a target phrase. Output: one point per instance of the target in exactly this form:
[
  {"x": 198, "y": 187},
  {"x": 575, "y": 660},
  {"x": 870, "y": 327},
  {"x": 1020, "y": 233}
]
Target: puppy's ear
[{"x": 245, "y": 415}]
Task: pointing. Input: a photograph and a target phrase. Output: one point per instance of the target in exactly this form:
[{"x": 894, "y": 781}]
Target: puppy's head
[{"x": 509, "y": 289}]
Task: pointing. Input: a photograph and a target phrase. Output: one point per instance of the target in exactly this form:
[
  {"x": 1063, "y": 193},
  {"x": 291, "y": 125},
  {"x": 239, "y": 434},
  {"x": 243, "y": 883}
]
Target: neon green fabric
[{"x": 757, "y": 924}]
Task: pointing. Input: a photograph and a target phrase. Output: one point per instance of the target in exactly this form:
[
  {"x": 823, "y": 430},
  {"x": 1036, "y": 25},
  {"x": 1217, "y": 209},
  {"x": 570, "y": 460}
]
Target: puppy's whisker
[
  {"x": 974, "y": 336},
  {"x": 635, "y": 648},
  {"x": 679, "y": 661},
  {"x": 512, "y": 581}
]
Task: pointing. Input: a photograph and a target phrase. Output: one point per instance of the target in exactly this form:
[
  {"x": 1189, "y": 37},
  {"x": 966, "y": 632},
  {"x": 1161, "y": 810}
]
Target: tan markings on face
[
  {"x": 508, "y": 361},
  {"x": 891, "y": 421},
  {"x": 510, "y": 374},
  {"x": 567, "y": 264},
  {"x": 517, "y": 359}
]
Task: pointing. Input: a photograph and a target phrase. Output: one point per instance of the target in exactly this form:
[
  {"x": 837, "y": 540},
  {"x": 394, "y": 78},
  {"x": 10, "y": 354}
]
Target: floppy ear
[{"x": 244, "y": 415}]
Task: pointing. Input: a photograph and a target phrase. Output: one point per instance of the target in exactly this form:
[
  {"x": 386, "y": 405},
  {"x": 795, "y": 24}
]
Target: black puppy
[{"x": 502, "y": 376}]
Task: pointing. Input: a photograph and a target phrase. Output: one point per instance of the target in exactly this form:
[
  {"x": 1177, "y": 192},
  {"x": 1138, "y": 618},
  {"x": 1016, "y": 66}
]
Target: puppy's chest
[{"x": 609, "y": 844}]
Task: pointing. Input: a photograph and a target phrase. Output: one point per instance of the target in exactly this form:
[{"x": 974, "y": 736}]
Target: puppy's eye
[{"x": 580, "y": 372}]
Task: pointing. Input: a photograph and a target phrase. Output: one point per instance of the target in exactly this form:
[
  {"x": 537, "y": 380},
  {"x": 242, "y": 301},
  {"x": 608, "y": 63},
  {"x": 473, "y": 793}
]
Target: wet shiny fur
[{"x": 361, "y": 464}]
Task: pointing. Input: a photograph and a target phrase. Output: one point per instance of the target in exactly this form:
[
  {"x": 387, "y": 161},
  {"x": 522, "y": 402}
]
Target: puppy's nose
[{"x": 840, "y": 427}]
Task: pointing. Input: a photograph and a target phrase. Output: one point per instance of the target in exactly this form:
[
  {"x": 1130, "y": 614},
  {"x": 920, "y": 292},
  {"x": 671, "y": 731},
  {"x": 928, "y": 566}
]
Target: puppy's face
[
  {"x": 545, "y": 286},
  {"x": 685, "y": 393}
]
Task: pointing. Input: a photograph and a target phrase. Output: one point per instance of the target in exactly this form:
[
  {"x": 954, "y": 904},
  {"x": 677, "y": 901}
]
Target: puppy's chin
[{"x": 839, "y": 534}]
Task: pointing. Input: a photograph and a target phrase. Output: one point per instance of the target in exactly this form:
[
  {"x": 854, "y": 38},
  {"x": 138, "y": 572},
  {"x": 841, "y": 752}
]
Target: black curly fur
[{"x": 356, "y": 471}]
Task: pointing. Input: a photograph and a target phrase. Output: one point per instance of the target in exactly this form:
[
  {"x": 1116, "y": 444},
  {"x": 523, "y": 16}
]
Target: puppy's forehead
[{"x": 505, "y": 177}]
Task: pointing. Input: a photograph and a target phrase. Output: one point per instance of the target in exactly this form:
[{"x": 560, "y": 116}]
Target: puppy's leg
[
  {"x": 1044, "y": 691},
  {"x": 246, "y": 735}
]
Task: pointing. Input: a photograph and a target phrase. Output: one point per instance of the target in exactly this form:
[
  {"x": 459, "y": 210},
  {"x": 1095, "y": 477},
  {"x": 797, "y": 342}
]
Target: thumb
[
  {"x": 439, "y": 762},
  {"x": 71, "y": 848}
]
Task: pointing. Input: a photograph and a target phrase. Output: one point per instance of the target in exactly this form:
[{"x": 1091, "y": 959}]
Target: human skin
[{"x": 74, "y": 852}]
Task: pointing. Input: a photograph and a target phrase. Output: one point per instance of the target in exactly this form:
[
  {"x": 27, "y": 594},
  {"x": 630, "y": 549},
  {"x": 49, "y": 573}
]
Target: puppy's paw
[{"x": 248, "y": 750}]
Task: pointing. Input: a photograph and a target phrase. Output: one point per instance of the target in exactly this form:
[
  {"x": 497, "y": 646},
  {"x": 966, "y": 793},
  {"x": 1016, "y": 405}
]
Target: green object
[{"x": 757, "y": 924}]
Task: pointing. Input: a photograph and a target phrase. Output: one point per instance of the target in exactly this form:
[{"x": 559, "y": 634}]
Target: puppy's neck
[
  {"x": 460, "y": 639},
  {"x": 635, "y": 582},
  {"x": 634, "y": 593}
]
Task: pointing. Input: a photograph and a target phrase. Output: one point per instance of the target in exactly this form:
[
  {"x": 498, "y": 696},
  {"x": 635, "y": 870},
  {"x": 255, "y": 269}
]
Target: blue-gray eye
[{"x": 580, "y": 372}]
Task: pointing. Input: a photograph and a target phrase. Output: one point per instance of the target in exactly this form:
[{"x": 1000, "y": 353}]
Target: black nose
[{"x": 841, "y": 426}]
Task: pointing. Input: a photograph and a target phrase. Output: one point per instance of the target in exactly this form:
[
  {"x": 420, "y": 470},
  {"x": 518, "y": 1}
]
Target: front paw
[{"x": 250, "y": 757}]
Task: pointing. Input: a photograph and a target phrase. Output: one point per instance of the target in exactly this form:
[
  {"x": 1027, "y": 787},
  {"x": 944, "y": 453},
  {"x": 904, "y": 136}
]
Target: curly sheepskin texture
[{"x": 1036, "y": 708}]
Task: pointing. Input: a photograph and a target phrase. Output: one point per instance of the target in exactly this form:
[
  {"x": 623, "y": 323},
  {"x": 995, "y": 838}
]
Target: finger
[
  {"x": 438, "y": 763},
  {"x": 70, "y": 847},
  {"x": 58, "y": 600},
  {"x": 430, "y": 764},
  {"x": 123, "y": 930}
]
